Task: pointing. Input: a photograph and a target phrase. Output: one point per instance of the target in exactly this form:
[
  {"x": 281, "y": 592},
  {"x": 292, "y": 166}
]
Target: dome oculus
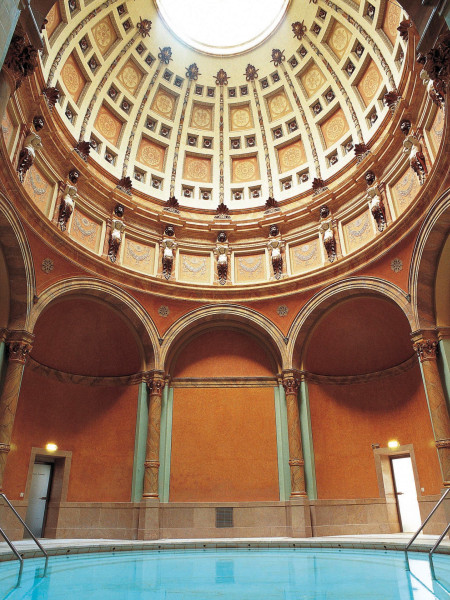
[{"x": 222, "y": 27}]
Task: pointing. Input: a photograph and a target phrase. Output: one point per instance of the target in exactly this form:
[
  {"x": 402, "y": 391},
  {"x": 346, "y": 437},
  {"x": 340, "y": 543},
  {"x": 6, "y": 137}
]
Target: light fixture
[
  {"x": 393, "y": 444},
  {"x": 51, "y": 447}
]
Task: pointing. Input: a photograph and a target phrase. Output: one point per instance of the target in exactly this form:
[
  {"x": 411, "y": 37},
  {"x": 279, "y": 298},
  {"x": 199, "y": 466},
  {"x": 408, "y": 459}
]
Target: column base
[
  {"x": 299, "y": 517},
  {"x": 149, "y": 526}
]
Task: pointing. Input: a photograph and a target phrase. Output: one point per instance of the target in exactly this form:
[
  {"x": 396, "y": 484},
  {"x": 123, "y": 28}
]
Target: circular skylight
[{"x": 222, "y": 27}]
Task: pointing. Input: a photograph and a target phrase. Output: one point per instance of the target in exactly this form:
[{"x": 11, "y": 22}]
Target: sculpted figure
[
  {"x": 376, "y": 207},
  {"x": 413, "y": 148},
  {"x": 326, "y": 229},
  {"x": 221, "y": 252},
  {"x": 168, "y": 247},
  {"x": 66, "y": 206},
  {"x": 26, "y": 157},
  {"x": 275, "y": 246},
  {"x": 117, "y": 229}
]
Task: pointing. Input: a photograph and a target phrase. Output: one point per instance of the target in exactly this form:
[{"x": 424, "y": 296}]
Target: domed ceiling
[{"x": 217, "y": 119}]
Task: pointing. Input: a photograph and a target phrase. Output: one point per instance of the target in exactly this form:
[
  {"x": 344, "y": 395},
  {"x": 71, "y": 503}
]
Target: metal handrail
[
  {"x": 427, "y": 519},
  {"x": 430, "y": 554},
  {"x": 11, "y": 545}
]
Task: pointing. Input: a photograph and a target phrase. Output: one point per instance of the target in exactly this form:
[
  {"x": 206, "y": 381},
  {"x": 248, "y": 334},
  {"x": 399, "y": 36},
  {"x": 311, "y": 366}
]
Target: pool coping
[{"x": 60, "y": 547}]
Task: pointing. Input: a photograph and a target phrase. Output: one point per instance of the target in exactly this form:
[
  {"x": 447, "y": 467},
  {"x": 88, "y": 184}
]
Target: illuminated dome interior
[
  {"x": 255, "y": 134},
  {"x": 212, "y": 26}
]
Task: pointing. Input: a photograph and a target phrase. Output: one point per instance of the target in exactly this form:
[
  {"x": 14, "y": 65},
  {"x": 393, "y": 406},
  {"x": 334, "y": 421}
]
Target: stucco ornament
[
  {"x": 221, "y": 252},
  {"x": 413, "y": 149}
]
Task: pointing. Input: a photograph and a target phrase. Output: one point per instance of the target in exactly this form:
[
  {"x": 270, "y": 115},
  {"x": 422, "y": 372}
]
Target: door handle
[
  {"x": 43, "y": 498},
  {"x": 399, "y": 493}
]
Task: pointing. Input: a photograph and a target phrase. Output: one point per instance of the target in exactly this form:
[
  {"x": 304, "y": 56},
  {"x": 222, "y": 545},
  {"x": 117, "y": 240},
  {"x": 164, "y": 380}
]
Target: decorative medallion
[
  {"x": 108, "y": 125},
  {"x": 202, "y": 117},
  {"x": 396, "y": 265},
  {"x": 312, "y": 79},
  {"x": 104, "y": 35},
  {"x": 164, "y": 103},
  {"x": 130, "y": 77},
  {"x": 278, "y": 105},
  {"x": 245, "y": 169},
  {"x": 240, "y": 118},
  {"x": 291, "y": 156},
  {"x": 370, "y": 83},
  {"x": 282, "y": 310},
  {"x": 73, "y": 78},
  {"x": 334, "y": 128},
  {"x": 197, "y": 169},
  {"x": 47, "y": 265},
  {"x": 339, "y": 39},
  {"x": 391, "y": 21},
  {"x": 151, "y": 154},
  {"x": 163, "y": 311}
]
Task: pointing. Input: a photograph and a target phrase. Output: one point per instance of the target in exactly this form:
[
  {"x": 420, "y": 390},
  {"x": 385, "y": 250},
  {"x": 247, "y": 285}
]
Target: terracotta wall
[
  {"x": 96, "y": 423},
  {"x": 365, "y": 414},
  {"x": 223, "y": 445}
]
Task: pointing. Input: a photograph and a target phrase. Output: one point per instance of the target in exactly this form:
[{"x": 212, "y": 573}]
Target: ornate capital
[
  {"x": 5, "y": 448},
  {"x": 19, "y": 345},
  {"x": 426, "y": 350},
  {"x": 290, "y": 385},
  {"x": 442, "y": 443},
  {"x": 155, "y": 386},
  {"x": 18, "y": 351}
]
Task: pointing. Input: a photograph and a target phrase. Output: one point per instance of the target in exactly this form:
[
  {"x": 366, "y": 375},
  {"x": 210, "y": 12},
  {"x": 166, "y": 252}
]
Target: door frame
[
  {"x": 386, "y": 484},
  {"x": 59, "y": 484}
]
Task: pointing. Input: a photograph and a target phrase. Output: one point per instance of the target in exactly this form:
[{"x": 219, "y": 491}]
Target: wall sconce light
[
  {"x": 51, "y": 447},
  {"x": 393, "y": 444}
]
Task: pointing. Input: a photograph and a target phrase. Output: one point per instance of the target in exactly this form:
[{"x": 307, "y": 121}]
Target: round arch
[
  {"x": 203, "y": 318},
  {"x": 306, "y": 319},
  {"x": 424, "y": 263},
  {"x": 116, "y": 298},
  {"x": 19, "y": 266}
]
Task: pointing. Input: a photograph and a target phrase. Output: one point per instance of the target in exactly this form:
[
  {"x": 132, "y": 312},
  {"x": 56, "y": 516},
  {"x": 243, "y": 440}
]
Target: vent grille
[{"x": 224, "y": 516}]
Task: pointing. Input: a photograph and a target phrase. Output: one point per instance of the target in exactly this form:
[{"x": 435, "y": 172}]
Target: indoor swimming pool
[{"x": 231, "y": 574}]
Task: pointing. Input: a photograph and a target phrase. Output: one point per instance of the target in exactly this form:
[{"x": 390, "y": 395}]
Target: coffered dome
[{"x": 237, "y": 129}]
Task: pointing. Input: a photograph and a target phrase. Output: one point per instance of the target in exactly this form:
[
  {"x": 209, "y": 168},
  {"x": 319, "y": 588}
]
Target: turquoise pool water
[{"x": 231, "y": 574}]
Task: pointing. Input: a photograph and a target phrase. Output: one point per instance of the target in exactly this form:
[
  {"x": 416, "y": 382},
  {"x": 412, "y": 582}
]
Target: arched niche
[
  {"x": 80, "y": 391},
  {"x": 365, "y": 388},
  {"x": 360, "y": 335},
  {"x": 442, "y": 287},
  {"x": 86, "y": 336},
  {"x": 16, "y": 270},
  {"x": 115, "y": 299},
  {"x": 226, "y": 317}
]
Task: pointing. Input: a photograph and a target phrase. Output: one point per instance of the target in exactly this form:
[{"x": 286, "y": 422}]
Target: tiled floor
[{"x": 28, "y": 549}]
